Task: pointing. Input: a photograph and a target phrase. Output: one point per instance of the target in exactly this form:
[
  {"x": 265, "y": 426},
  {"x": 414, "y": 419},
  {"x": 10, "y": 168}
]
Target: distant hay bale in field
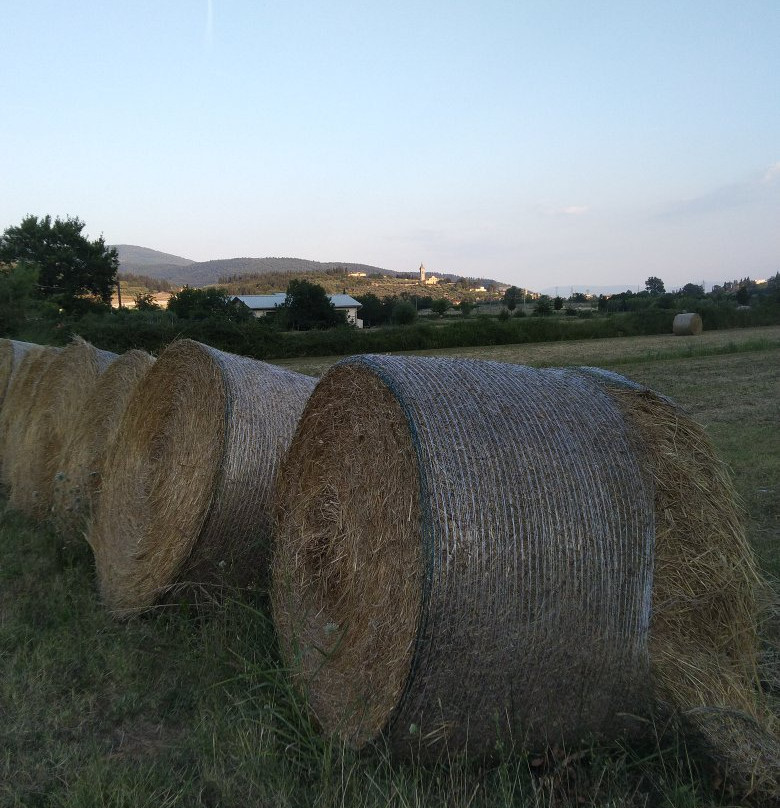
[
  {"x": 59, "y": 400},
  {"x": 703, "y": 634},
  {"x": 188, "y": 483},
  {"x": 687, "y": 325},
  {"x": 464, "y": 554},
  {"x": 16, "y": 412},
  {"x": 78, "y": 479},
  {"x": 11, "y": 354}
]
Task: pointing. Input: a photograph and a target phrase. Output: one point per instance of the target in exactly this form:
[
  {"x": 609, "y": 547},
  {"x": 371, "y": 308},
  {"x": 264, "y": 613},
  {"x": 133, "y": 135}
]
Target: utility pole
[{"x": 118, "y": 292}]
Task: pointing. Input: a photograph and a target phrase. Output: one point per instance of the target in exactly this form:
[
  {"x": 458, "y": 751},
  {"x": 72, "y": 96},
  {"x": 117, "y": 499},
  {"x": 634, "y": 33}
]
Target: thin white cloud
[
  {"x": 574, "y": 210},
  {"x": 756, "y": 190},
  {"x": 566, "y": 210},
  {"x": 772, "y": 174}
]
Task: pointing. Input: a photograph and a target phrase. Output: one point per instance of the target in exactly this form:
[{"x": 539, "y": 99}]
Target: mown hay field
[
  {"x": 600, "y": 352},
  {"x": 186, "y": 708}
]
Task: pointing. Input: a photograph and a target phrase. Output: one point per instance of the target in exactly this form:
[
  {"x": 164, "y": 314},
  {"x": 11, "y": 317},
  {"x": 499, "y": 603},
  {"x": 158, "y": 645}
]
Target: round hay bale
[
  {"x": 59, "y": 400},
  {"x": 77, "y": 482},
  {"x": 16, "y": 413},
  {"x": 11, "y": 354},
  {"x": 703, "y": 633},
  {"x": 687, "y": 325},
  {"x": 187, "y": 485},
  {"x": 463, "y": 554}
]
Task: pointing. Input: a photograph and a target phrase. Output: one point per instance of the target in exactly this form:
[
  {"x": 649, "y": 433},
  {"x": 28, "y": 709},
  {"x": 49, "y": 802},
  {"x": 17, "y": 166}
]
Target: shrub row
[{"x": 152, "y": 331}]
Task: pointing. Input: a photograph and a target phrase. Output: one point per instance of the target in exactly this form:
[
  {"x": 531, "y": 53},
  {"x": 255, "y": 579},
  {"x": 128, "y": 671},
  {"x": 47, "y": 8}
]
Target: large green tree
[
  {"x": 372, "y": 311},
  {"x": 71, "y": 268},
  {"x": 440, "y": 306},
  {"x": 693, "y": 290},
  {"x": 544, "y": 306},
  {"x": 212, "y": 301},
  {"x": 404, "y": 313},
  {"x": 307, "y": 306},
  {"x": 18, "y": 284},
  {"x": 654, "y": 285},
  {"x": 512, "y": 298}
]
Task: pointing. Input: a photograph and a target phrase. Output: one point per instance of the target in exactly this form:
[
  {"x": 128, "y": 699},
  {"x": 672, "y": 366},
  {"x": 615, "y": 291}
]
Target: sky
[{"x": 555, "y": 142}]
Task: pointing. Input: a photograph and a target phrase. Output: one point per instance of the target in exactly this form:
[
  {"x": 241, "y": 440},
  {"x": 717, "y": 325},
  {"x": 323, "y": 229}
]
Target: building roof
[
  {"x": 268, "y": 302},
  {"x": 262, "y": 301},
  {"x": 344, "y": 302}
]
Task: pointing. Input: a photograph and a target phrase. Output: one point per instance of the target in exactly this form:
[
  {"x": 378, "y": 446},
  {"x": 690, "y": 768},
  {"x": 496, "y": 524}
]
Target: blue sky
[{"x": 539, "y": 143}]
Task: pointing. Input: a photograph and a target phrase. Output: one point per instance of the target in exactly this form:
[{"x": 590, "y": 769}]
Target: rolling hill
[{"x": 181, "y": 271}]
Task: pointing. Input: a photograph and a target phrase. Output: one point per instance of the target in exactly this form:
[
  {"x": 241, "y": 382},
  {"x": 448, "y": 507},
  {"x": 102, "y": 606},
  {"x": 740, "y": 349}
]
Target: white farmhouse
[{"x": 260, "y": 305}]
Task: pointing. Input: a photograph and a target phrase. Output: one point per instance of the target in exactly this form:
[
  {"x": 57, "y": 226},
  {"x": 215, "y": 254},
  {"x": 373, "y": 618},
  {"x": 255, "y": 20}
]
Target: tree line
[{"x": 55, "y": 280}]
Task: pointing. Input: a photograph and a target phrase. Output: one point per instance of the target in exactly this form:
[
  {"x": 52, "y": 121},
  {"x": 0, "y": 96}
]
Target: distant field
[{"x": 599, "y": 352}]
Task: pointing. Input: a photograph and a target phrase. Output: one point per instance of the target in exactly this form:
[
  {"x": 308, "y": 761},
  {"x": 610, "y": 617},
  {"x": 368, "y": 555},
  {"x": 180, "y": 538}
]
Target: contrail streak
[{"x": 209, "y": 25}]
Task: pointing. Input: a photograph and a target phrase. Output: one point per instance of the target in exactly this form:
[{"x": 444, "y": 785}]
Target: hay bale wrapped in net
[
  {"x": 78, "y": 479},
  {"x": 463, "y": 554},
  {"x": 16, "y": 413},
  {"x": 703, "y": 633},
  {"x": 188, "y": 482},
  {"x": 687, "y": 325},
  {"x": 59, "y": 400},
  {"x": 12, "y": 352}
]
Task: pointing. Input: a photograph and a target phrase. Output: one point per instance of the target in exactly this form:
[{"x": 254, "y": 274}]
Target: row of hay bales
[{"x": 459, "y": 552}]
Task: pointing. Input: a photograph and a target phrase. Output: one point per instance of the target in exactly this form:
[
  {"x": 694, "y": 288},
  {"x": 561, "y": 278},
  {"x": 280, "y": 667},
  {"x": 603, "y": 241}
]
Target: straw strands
[
  {"x": 703, "y": 637},
  {"x": 464, "y": 552},
  {"x": 78, "y": 479},
  {"x": 15, "y": 417},
  {"x": 188, "y": 482},
  {"x": 687, "y": 325},
  {"x": 59, "y": 400},
  {"x": 11, "y": 354}
]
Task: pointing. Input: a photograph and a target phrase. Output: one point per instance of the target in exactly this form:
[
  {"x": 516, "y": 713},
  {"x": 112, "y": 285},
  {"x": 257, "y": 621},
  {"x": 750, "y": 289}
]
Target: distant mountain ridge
[
  {"x": 139, "y": 257},
  {"x": 615, "y": 289},
  {"x": 181, "y": 271}
]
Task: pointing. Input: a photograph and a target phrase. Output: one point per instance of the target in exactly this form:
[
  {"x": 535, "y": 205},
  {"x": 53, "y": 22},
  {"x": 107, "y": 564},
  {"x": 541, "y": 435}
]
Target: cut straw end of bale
[
  {"x": 687, "y": 325},
  {"x": 187, "y": 484},
  {"x": 59, "y": 400},
  {"x": 77, "y": 483},
  {"x": 11, "y": 354},
  {"x": 15, "y": 419},
  {"x": 463, "y": 555},
  {"x": 703, "y": 634}
]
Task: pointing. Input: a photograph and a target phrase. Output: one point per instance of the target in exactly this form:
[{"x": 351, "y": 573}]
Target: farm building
[{"x": 260, "y": 305}]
